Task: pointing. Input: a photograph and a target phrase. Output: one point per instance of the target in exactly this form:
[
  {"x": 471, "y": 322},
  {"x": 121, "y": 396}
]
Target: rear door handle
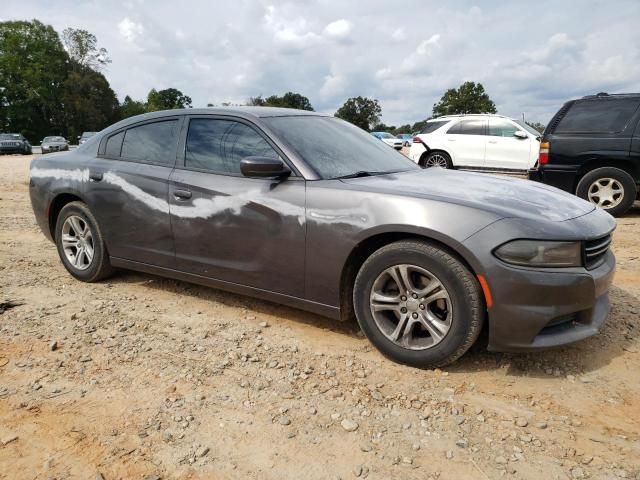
[
  {"x": 184, "y": 194},
  {"x": 95, "y": 177}
]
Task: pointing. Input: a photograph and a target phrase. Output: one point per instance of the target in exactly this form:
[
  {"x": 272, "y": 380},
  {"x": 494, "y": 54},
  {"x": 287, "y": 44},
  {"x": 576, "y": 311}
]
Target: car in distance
[
  {"x": 310, "y": 211},
  {"x": 406, "y": 139},
  {"x": 54, "y": 144},
  {"x": 85, "y": 136},
  {"x": 14, "y": 143},
  {"x": 389, "y": 139},
  {"x": 483, "y": 142},
  {"x": 591, "y": 148}
]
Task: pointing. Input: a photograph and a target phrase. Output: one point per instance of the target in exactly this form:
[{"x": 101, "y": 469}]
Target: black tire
[
  {"x": 629, "y": 193},
  {"x": 433, "y": 158},
  {"x": 99, "y": 267},
  {"x": 467, "y": 302}
]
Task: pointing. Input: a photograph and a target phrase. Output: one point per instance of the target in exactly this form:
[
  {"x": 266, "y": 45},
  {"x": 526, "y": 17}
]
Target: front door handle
[
  {"x": 493, "y": 141},
  {"x": 95, "y": 177},
  {"x": 183, "y": 194}
]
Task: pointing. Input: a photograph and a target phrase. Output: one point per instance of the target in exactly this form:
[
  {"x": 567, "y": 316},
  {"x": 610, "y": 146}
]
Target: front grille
[{"x": 595, "y": 251}]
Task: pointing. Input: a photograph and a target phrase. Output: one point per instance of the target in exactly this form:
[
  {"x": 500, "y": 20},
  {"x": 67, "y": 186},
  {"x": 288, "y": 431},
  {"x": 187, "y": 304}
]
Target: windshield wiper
[{"x": 360, "y": 173}]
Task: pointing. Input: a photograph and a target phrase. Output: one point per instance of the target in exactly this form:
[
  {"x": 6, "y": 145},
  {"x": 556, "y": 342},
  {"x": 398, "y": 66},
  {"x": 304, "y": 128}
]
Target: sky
[{"x": 530, "y": 56}]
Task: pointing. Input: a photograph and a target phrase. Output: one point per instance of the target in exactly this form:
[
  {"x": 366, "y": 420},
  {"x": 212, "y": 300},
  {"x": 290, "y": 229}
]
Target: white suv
[{"x": 477, "y": 142}]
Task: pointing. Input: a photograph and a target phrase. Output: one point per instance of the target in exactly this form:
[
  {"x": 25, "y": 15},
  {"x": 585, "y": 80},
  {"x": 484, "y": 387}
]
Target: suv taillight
[
  {"x": 416, "y": 139},
  {"x": 543, "y": 157}
]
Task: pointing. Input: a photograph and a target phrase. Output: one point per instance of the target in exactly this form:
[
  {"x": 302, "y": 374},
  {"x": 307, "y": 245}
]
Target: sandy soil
[{"x": 153, "y": 378}]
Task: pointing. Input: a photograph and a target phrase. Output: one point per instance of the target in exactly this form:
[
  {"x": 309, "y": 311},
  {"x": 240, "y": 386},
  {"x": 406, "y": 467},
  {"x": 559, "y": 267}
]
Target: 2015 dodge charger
[{"x": 309, "y": 211}]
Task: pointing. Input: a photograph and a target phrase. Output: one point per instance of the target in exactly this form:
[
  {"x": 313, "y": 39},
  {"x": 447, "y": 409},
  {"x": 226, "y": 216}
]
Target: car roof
[
  {"x": 604, "y": 95},
  {"x": 461, "y": 115}
]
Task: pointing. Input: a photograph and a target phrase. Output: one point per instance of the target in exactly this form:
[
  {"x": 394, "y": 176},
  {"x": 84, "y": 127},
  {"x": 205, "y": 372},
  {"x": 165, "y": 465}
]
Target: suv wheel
[
  {"x": 609, "y": 188},
  {"x": 418, "y": 304},
  {"x": 437, "y": 159},
  {"x": 80, "y": 244}
]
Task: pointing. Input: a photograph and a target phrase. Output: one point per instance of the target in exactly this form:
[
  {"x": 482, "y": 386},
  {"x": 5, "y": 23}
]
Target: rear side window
[
  {"x": 152, "y": 142},
  {"x": 598, "y": 116},
  {"x": 469, "y": 127},
  {"x": 220, "y": 145},
  {"x": 114, "y": 145},
  {"x": 433, "y": 126},
  {"x": 501, "y": 128}
]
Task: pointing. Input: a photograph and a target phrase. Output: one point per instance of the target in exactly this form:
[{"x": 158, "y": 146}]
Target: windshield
[
  {"x": 53, "y": 139},
  {"x": 335, "y": 148},
  {"x": 528, "y": 128},
  {"x": 9, "y": 136}
]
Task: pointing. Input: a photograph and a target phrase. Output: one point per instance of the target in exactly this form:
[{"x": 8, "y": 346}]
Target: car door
[
  {"x": 505, "y": 150},
  {"x": 128, "y": 189},
  {"x": 248, "y": 231},
  {"x": 466, "y": 142}
]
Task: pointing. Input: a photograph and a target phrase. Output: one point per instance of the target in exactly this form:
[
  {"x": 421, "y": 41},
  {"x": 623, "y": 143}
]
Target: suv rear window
[
  {"x": 598, "y": 116},
  {"x": 433, "y": 126}
]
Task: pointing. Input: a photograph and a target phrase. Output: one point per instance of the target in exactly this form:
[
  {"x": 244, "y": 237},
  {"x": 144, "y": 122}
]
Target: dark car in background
[
  {"x": 14, "y": 143},
  {"x": 85, "y": 136},
  {"x": 310, "y": 211},
  {"x": 54, "y": 144},
  {"x": 591, "y": 148}
]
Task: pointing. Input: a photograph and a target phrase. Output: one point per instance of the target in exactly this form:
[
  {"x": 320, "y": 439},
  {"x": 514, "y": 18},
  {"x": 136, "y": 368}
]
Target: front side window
[
  {"x": 501, "y": 128},
  {"x": 598, "y": 116},
  {"x": 151, "y": 142},
  {"x": 475, "y": 126},
  {"x": 219, "y": 145}
]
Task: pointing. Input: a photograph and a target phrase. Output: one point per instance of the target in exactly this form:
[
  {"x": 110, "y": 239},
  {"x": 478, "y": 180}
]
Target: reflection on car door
[
  {"x": 504, "y": 150},
  {"x": 248, "y": 231},
  {"x": 128, "y": 190},
  {"x": 466, "y": 142}
]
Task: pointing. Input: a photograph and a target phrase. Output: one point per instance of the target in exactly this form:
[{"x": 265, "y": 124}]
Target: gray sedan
[
  {"x": 307, "y": 210},
  {"x": 54, "y": 144}
]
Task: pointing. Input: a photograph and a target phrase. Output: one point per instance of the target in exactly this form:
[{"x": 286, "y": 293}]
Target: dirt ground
[{"x": 141, "y": 377}]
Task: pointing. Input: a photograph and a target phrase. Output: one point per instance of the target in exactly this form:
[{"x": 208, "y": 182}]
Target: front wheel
[
  {"x": 80, "y": 244},
  {"x": 609, "y": 188},
  {"x": 437, "y": 159},
  {"x": 418, "y": 304}
]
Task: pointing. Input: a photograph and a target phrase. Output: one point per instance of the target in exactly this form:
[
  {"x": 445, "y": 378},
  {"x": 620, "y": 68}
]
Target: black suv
[
  {"x": 591, "y": 148},
  {"x": 14, "y": 143}
]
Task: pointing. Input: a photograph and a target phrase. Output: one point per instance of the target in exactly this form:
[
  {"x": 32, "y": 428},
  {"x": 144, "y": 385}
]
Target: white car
[
  {"x": 389, "y": 139},
  {"x": 477, "y": 142}
]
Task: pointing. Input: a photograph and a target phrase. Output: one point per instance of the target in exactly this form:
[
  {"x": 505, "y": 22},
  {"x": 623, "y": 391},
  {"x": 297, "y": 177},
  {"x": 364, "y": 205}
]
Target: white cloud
[
  {"x": 339, "y": 30},
  {"x": 399, "y": 35},
  {"x": 130, "y": 30},
  {"x": 426, "y": 46}
]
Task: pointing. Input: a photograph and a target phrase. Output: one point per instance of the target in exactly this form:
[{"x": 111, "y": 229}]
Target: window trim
[
  {"x": 182, "y": 146},
  {"x": 485, "y": 127},
  {"x": 105, "y": 139}
]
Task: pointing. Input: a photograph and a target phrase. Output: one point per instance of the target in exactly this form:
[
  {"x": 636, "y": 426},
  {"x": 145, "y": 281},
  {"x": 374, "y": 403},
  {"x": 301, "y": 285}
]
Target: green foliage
[
  {"x": 361, "y": 111},
  {"x": 82, "y": 47},
  {"x": 33, "y": 69},
  {"x": 288, "y": 100},
  {"x": 381, "y": 127},
  {"x": 470, "y": 97},
  {"x": 130, "y": 107},
  {"x": 537, "y": 125},
  {"x": 167, "y": 99}
]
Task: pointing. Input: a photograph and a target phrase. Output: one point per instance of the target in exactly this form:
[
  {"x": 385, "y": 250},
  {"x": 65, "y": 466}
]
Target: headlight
[{"x": 540, "y": 253}]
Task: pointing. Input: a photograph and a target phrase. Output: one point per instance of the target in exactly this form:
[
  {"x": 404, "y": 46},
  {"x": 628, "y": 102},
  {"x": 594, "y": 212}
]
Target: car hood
[
  {"x": 54, "y": 144},
  {"x": 505, "y": 196}
]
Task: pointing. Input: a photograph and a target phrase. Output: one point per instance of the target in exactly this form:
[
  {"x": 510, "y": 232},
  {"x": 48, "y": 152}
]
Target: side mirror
[
  {"x": 263, "y": 167},
  {"x": 520, "y": 134}
]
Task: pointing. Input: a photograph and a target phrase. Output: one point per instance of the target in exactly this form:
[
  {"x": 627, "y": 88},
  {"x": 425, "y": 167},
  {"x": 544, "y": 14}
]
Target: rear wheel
[
  {"x": 609, "y": 188},
  {"x": 418, "y": 304},
  {"x": 80, "y": 244},
  {"x": 437, "y": 159}
]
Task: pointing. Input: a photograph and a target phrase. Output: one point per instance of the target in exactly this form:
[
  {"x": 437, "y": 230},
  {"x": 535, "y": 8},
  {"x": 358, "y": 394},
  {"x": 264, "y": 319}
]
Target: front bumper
[
  {"x": 8, "y": 150},
  {"x": 538, "y": 308}
]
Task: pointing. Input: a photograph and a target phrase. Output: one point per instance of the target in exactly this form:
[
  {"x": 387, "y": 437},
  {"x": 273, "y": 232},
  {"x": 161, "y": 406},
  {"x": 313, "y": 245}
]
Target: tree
[
  {"x": 167, "y": 99},
  {"x": 33, "y": 69},
  {"x": 82, "y": 47},
  {"x": 537, "y": 125},
  {"x": 381, "y": 127},
  {"x": 288, "y": 100},
  {"x": 130, "y": 107},
  {"x": 470, "y": 97},
  {"x": 403, "y": 129},
  {"x": 419, "y": 126},
  {"x": 361, "y": 111}
]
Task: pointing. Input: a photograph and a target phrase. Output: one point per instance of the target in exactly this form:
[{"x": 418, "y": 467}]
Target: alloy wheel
[
  {"x": 606, "y": 193},
  {"x": 436, "y": 160},
  {"x": 77, "y": 242},
  {"x": 411, "y": 307}
]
